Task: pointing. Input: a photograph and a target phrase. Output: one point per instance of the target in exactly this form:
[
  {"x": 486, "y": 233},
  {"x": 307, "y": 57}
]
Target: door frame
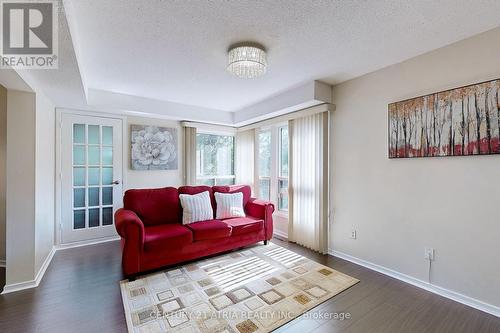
[{"x": 58, "y": 176}]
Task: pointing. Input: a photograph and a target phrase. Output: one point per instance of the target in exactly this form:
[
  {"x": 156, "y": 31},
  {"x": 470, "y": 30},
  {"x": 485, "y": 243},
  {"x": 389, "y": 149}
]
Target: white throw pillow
[
  {"x": 196, "y": 207},
  {"x": 229, "y": 205}
]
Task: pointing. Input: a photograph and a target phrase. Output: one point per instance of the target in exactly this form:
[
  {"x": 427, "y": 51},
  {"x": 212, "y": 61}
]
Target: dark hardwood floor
[{"x": 80, "y": 293}]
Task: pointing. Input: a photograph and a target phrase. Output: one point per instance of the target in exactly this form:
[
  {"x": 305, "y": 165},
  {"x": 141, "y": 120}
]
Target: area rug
[{"x": 253, "y": 290}]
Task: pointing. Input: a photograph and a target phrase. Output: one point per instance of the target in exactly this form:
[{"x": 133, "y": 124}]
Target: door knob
[{"x": 116, "y": 182}]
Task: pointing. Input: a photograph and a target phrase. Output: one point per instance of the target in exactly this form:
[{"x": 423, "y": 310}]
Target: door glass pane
[
  {"x": 79, "y": 219},
  {"x": 92, "y": 158},
  {"x": 107, "y": 135},
  {"x": 265, "y": 188},
  {"x": 79, "y": 197},
  {"x": 79, "y": 176},
  {"x": 78, "y": 155},
  {"x": 107, "y": 156},
  {"x": 93, "y": 196},
  {"x": 107, "y": 176},
  {"x": 107, "y": 216},
  {"x": 93, "y": 217},
  {"x": 94, "y": 155},
  {"x": 94, "y": 176},
  {"x": 107, "y": 195},
  {"x": 93, "y": 136},
  {"x": 78, "y": 133}
]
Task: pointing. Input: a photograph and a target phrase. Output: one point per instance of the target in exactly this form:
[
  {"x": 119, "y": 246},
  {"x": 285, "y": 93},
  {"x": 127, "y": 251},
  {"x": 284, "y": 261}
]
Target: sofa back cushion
[
  {"x": 196, "y": 207},
  {"x": 154, "y": 206},
  {"x": 199, "y": 189},
  {"x": 245, "y": 189},
  {"x": 229, "y": 205}
]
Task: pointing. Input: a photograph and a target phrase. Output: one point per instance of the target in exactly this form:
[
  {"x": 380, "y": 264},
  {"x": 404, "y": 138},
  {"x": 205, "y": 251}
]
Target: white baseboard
[
  {"x": 2, "y": 263},
  {"x": 453, "y": 295},
  {"x": 280, "y": 234},
  {"x": 9, "y": 288},
  {"x": 86, "y": 243}
]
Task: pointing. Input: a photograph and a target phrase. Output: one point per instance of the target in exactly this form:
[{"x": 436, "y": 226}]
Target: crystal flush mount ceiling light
[{"x": 247, "y": 61}]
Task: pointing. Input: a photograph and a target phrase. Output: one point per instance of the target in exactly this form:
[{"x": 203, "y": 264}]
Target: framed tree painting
[
  {"x": 456, "y": 122},
  {"x": 153, "y": 148}
]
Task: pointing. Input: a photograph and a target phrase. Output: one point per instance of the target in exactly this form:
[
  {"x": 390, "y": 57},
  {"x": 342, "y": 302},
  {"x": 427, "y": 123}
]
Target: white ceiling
[
  {"x": 175, "y": 51},
  {"x": 63, "y": 86}
]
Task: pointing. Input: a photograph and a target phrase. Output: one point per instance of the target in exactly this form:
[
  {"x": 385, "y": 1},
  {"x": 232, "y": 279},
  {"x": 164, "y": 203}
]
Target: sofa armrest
[
  {"x": 131, "y": 229},
  {"x": 129, "y": 225},
  {"x": 263, "y": 210}
]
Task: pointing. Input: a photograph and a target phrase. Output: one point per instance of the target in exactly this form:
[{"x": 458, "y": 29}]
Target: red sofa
[{"x": 150, "y": 225}]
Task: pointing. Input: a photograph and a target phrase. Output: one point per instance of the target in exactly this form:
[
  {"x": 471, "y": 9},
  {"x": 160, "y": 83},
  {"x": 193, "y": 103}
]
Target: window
[
  {"x": 214, "y": 159},
  {"x": 283, "y": 169},
  {"x": 273, "y": 166},
  {"x": 265, "y": 165}
]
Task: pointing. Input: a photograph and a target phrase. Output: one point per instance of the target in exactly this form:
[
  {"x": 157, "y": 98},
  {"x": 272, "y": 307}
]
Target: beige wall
[
  {"x": 3, "y": 162},
  {"x": 20, "y": 187},
  {"x": 400, "y": 206},
  {"x": 45, "y": 179},
  {"x": 154, "y": 178}
]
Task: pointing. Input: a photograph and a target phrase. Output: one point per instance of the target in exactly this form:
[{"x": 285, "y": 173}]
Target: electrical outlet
[
  {"x": 353, "y": 234},
  {"x": 429, "y": 253}
]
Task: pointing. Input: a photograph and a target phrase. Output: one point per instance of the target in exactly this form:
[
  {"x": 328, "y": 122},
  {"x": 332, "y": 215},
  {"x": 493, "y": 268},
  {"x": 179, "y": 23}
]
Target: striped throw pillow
[
  {"x": 229, "y": 205},
  {"x": 196, "y": 207}
]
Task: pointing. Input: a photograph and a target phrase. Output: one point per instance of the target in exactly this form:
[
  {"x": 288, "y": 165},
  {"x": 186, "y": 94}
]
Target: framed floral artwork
[{"x": 153, "y": 148}]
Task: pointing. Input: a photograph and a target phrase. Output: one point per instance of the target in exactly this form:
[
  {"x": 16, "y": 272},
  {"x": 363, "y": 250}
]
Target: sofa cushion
[
  {"x": 166, "y": 236},
  {"x": 229, "y": 205},
  {"x": 245, "y": 189},
  {"x": 209, "y": 230},
  {"x": 243, "y": 225},
  {"x": 196, "y": 207},
  {"x": 154, "y": 206},
  {"x": 199, "y": 189}
]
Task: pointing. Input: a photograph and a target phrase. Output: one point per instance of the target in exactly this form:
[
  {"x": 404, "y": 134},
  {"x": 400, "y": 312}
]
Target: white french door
[{"x": 91, "y": 176}]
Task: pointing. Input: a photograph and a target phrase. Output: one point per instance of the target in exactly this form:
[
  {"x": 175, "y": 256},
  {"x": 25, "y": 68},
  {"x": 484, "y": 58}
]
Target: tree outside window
[
  {"x": 264, "y": 157},
  {"x": 214, "y": 159},
  {"x": 283, "y": 169},
  {"x": 273, "y": 165}
]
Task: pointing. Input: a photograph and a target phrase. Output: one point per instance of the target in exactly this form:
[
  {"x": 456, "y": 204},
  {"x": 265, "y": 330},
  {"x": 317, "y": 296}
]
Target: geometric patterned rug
[{"x": 254, "y": 290}]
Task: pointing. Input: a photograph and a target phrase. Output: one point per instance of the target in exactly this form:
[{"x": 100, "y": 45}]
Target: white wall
[
  {"x": 3, "y": 163},
  {"x": 30, "y": 184},
  {"x": 45, "y": 179},
  {"x": 154, "y": 178},
  {"x": 400, "y": 206},
  {"x": 280, "y": 225},
  {"x": 20, "y": 238}
]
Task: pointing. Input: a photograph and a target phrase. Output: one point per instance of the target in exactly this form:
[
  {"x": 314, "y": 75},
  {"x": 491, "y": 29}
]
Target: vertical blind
[
  {"x": 308, "y": 208},
  {"x": 245, "y": 157}
]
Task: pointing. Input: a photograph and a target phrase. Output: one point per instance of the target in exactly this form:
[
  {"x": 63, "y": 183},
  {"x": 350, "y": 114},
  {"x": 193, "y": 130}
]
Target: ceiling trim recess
[
  {"x": 310, "y": 94},
  {"x": 153, "y": 107},
  {"x": 289, "y": 116},
  {"x": 73, "y": 32},
  {"x": 12, "y": 80},
  {"x": 307, "y": 95}
]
